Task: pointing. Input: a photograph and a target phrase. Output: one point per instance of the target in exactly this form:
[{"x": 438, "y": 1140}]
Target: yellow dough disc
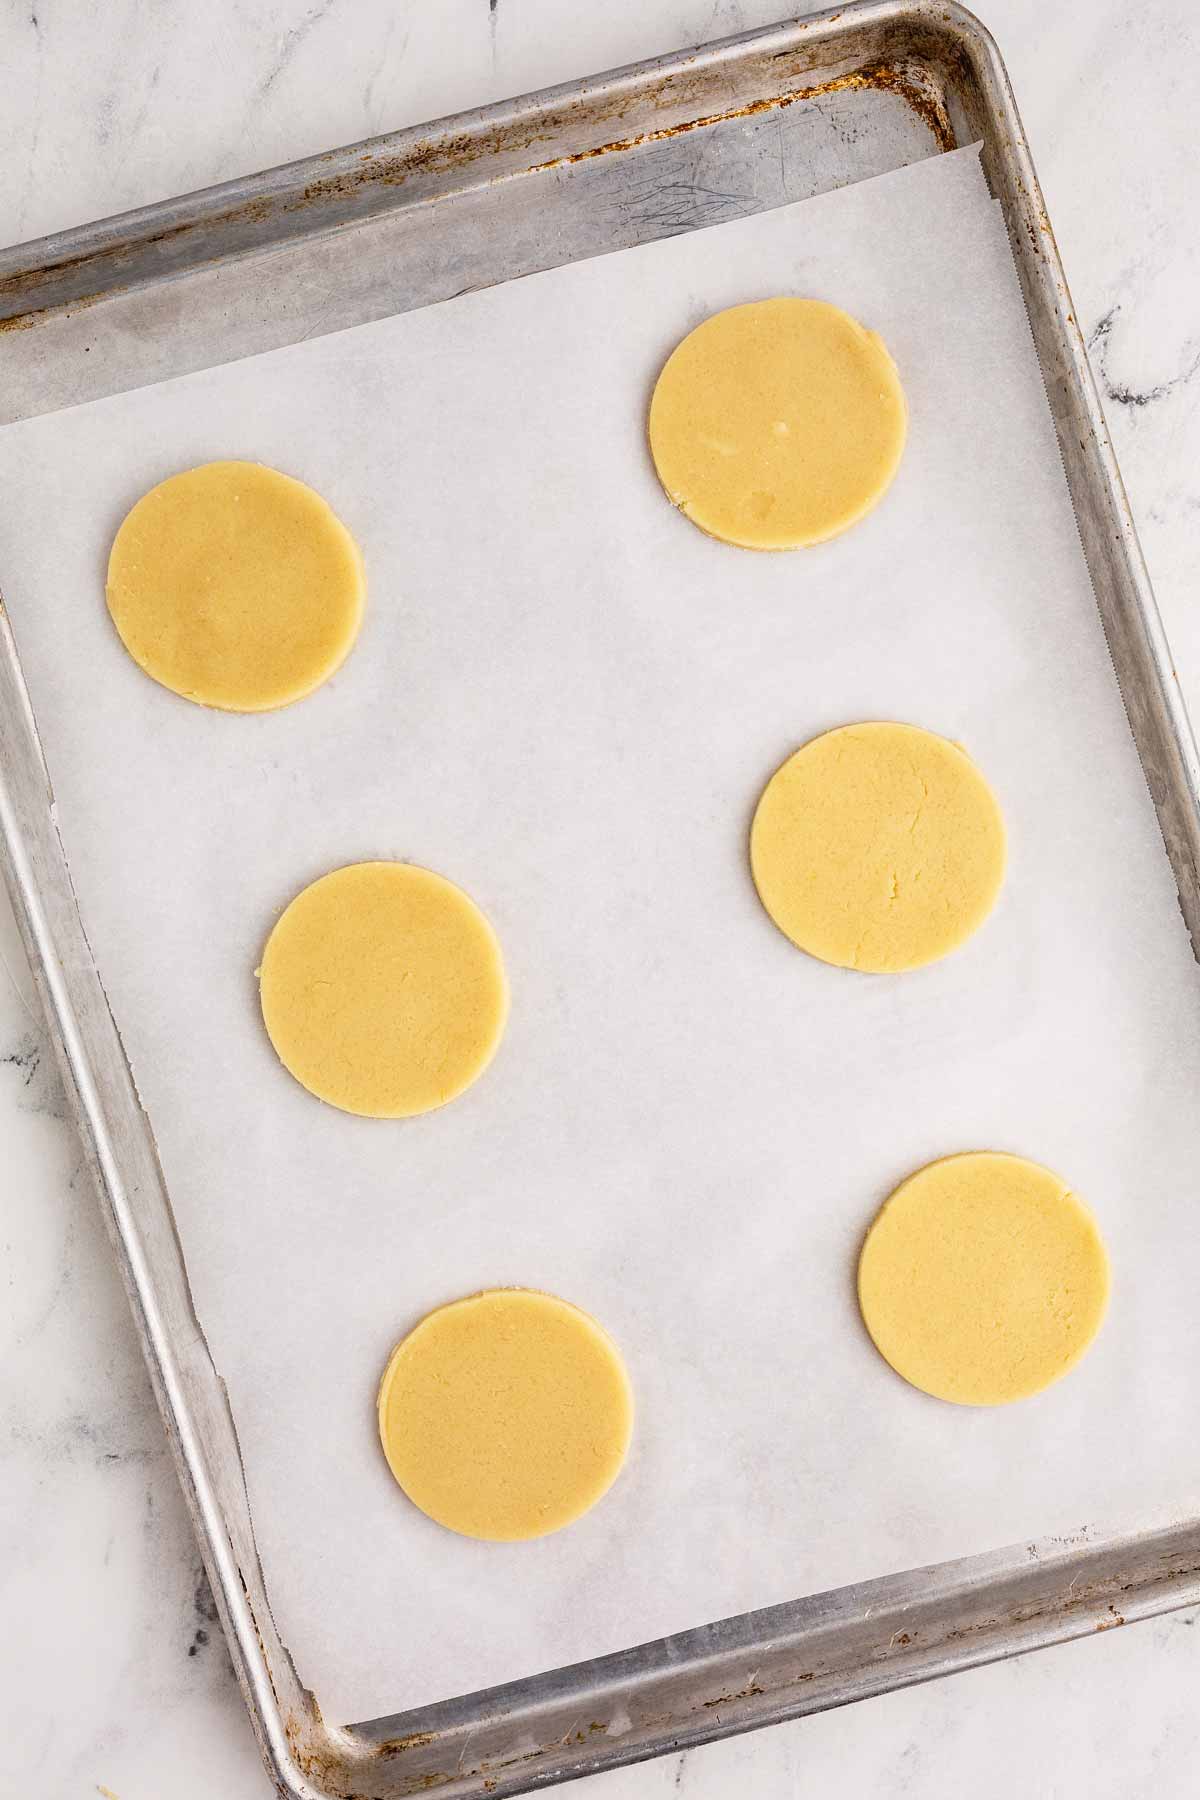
[
  {"x": 983, "y": 1279},
  {"x": 383, "y": 990},
  {"x": 778, "y": 424},
  {"x": 506, "y": 1415},
  {"x": 878, "y": 847},
  {"x": 236, "y": 587}
]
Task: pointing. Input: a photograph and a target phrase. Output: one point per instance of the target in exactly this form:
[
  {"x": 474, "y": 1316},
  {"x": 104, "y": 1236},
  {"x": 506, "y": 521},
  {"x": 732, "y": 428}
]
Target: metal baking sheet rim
[{"x": 784, "y": 1661}]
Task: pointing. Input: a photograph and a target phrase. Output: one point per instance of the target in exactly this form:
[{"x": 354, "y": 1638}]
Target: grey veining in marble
[{"x": 116, "y": 1679}]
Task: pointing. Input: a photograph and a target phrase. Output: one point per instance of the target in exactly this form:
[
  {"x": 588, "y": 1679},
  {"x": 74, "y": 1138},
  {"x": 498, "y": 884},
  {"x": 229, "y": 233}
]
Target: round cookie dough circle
[
  {"x": 983, "y": 1279},
  {"x": 506, "y": 1415},
  {"x": 878, "y": 847},
  {"x": 236, "y": 586},
  {"x": 383, "y": 990},
  {"x": 778, "y": 424}
]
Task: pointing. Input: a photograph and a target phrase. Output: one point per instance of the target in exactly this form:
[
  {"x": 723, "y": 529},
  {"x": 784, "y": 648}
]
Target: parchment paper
[{"x": 567, "y": 699}]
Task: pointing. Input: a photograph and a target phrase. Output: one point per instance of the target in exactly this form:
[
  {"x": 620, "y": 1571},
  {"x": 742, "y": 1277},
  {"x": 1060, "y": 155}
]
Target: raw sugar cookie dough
[
  {"x": 236, "y": 586},
  {"x": 506, "y": 1415},
  {"x": 383, "y": 990},
  {"x": 983, "y": 1279},
  {"x": 778, "y": 424},
  {"x": 878, "y": 847}
]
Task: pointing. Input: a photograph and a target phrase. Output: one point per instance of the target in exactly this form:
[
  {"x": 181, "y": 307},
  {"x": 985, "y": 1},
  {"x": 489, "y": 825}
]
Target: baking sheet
[{"x": 567, "y": 699}]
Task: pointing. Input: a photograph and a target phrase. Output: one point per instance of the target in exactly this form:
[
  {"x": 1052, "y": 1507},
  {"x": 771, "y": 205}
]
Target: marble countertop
[{"x": 117, "y": 1680}]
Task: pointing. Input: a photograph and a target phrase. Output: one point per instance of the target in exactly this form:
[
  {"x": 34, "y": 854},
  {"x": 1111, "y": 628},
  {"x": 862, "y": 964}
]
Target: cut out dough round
[
  {"x": 983, "y": 1279},
  {"x": 878, "y": 847},
  {"x": 778, "y": 424},
  {"x": 383, "y": 990},
  {"x": 506, "y": 1415},
  {"x": 236, "y": 587}
]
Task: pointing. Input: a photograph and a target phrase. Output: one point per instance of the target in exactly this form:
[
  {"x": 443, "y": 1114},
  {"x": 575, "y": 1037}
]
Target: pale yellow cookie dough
[
  {"x": 778, "y": 424},
  {"x": 878, "y": 847},
  {"x": 236, "y": 587},
  {"x": 383, "y": 990},
  {"x": 506, "y": 1415},
  {"x": 983, "y": 1279}
]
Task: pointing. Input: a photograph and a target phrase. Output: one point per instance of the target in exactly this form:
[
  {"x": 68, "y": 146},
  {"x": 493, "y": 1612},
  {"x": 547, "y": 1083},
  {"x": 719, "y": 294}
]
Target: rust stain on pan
[
  {"x": 416, "y": 1740},
  {"x": 440, "y": 155},
  {"x": 23, "y": 321},
  {"x": 872, "y": 75},
  {"x": 251, "y": 212},
  {"x": 1076, "y": 1599},
  {"x": 747, "y": 1693}
]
